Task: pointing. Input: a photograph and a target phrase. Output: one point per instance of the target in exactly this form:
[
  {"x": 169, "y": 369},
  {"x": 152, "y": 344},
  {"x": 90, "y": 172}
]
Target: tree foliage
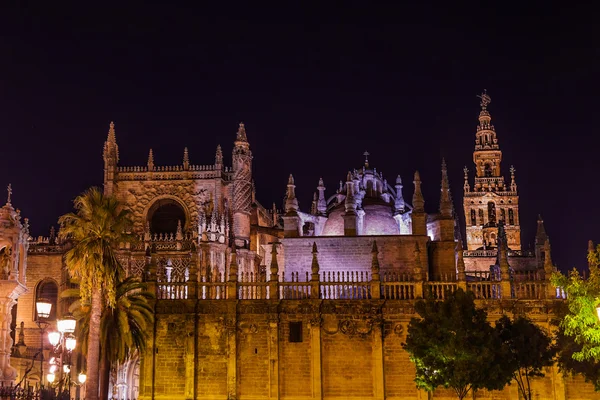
[
  {"x": 580, "y": 322},
  {"x": 528, "y": 350},
  {"x": 589, "y": 369},
  {"x": 95, "y": 230},
  {"x": 454, "y": 346}
]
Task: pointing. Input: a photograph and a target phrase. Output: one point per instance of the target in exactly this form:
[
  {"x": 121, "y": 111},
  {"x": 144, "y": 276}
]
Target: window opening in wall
[
  {"x": 492, "y": 213},
  {"x": 480, "y": 217},
  {"x": 47, "y": 290},
  {"x": 473, "y": 218},
  {"x": 295, "y": 332},
  {"x": 511, "y": 217},
  {"x": 488, "y": 170}
]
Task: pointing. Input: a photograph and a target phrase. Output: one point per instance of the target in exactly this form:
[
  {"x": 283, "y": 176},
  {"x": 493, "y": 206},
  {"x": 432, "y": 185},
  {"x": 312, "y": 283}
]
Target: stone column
[
  {"x": 274, "y": 356},
  {"x": 231, "y": 332},
  {"x": 315, "y": 357},
  {"x": 9, "y": 292}
]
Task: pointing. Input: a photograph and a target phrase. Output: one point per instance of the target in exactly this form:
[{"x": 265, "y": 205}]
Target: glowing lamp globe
[
  {"x": 66, "y": 324},
  {"x": 43, "y": 308},
  {"x": 53, "y": 368},
  {"x": 82, "y": 378},
  {"x": 598, "y": 311},
  {"x": 70, "y": 343},
  {"x": 53, "y": 338},
  {"x": 66, "y": 368},
  {"x": 50, "y": 377}
]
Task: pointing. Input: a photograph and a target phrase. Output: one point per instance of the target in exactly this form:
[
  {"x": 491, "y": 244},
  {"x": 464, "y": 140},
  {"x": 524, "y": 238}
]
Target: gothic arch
[
  {"x": 161, "y": 200},
  {"x": 47, "y": 289}
]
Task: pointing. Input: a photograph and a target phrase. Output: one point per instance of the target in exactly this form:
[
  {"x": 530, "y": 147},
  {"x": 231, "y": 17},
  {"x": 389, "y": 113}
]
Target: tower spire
[
  {"x": 418, "y": 200},
  {"x": 513, "y": 184},
  {"x": 399, "y": 204},
  {"x": 150, "y": 160},
  {"x": 186, "y": 158},
  {"x": 112, "y": 137},
  {"x": 445, "y": 197},
  {"x": 321, "y": 203},
  {"x": 241, "y": 133},
  {"x": 466, "y": 186},
  {"x": 291, "y": 202}
]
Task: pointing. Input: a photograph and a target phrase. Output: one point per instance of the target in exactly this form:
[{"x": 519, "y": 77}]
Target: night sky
[{"x": 316, "y": 87}]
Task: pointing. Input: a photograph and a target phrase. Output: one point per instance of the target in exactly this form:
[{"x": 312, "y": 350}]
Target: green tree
[
  {"x": 589, "y": 369},
  {"x": 124, "y": 328},
  {"x": 95, "y": 229},
  {"x": 454, "y": 346},
  {"x": 529, "y": 350},
  {"x": 580, "y": 321}
]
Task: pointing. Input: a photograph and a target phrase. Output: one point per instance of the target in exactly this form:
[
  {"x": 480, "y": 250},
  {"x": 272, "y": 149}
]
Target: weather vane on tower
[
  {"x": 366, "y": 154},
  {"x": 485, "y": 99}
]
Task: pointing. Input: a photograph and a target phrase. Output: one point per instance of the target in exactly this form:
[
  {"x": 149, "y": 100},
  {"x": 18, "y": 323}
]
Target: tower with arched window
[{"x": 490, "y": 199}]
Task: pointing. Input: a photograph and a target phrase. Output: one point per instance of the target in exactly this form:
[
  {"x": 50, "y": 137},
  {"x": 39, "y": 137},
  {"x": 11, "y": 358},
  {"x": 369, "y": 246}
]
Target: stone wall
[
  {"x": 353, "y": 253},
  {"x": 346, "y": 350}
]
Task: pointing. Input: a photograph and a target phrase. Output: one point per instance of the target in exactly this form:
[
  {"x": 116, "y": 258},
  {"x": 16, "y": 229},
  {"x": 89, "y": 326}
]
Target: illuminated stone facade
[{"x": 262, "y": 303}]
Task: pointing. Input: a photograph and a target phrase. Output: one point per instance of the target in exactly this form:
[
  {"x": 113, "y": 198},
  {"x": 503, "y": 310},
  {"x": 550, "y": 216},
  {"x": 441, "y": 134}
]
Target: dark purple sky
[{"x": 316, "y": 87}]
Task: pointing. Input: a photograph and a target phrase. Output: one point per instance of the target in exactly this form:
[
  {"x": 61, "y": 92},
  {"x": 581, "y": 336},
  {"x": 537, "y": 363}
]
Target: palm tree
[
  {"x": 95, "y": 229},
  {"x": 124, "y": 328}
]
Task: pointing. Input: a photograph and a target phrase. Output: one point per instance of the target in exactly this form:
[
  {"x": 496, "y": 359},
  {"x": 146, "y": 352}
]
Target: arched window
[
  {"x": 165, "y": 215},
  {"x": 502, "y": 215},
  {"x": 491, "y": 213},
  {"x": 473, "y": 218},
  {"x": 487, "y": 170},
  {"x": 511, "y": 216},
  {"x": 481, "y": 222},
  {"x": 47, "y": 290}
]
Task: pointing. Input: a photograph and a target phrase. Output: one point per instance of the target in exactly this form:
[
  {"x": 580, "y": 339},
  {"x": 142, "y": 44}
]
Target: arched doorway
[{"x": 165, "y": 215}]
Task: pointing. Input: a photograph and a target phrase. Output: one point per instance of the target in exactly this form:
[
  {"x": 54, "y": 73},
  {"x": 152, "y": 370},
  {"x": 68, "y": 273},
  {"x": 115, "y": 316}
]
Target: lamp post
[
  {"x": 64, "y": 343},
  {"x": 43, "y": 308}
]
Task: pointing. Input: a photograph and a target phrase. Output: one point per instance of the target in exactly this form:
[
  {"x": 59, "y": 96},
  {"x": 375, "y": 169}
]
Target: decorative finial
[
  {"x": 418, "y": 201},
  {"x": 219, "y": 155},
  {"x": 366, "y": 154},
  {"x": 150, "y": 160},
  {"x": 446, "y": 207},
  {"x": 241, "y": 133},
  {"x": 186, "y": 157},
  {"x": 9, "y": 190},
  {"x": 513, "y": 183},
  {"x": 485, "y": 99}
]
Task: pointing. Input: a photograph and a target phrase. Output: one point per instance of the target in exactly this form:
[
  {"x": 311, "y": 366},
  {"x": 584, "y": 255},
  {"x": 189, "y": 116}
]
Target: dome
[{"x": 377, "y": 220}]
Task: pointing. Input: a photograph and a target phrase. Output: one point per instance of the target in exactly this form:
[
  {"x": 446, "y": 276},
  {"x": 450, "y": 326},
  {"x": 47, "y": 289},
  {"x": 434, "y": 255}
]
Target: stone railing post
[
  {"x": 418, "y": 273},
  {"x": 315, "y": 288},
  {"x": 375, "y": 277},
  {"x": 232, "y": 281},
  {"x": 274, "y": 276},
  {"x": 151, "y": 272}
]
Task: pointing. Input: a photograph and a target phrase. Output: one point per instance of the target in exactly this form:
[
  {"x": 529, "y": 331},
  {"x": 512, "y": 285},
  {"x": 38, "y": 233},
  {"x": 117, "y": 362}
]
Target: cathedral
[{"x": 261, "y": 302}]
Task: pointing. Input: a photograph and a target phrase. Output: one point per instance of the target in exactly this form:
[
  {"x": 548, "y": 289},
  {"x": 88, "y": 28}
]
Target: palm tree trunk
[
  {"x": 104, "y": 377},
  {"x": 93, "y": 353}
]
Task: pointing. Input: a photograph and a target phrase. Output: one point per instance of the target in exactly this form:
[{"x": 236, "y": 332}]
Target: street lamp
[
  {"x": 43, "y": 308},
  {"x": 598, "y": 311},
  {"x": 64, "y": 343}
]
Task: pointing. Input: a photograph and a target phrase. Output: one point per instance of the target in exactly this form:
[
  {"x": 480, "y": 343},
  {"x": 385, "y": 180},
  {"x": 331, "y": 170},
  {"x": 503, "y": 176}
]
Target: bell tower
[
  {"x": 242, "y": 188},
  {"x": 491, "y": 200}
]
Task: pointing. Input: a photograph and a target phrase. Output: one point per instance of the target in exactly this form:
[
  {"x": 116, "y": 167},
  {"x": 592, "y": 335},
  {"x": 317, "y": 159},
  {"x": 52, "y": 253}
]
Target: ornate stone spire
[
  {"x": 460, "y": 262},
  {"x": 241, "y": 133},
  {"x": 399, "y": 204},
  {"x": 274, "y": 268},
  {"x": 321, "y": 203},
  {"x": 366, "y": 154},
  {"x": 446, "y": 207},
  {"x": 466, "y": 186},
  {"x": 540, "y": 235},
  {"x": 233, "y": 265},
  {"x": 9, "y": 192},
  {"x": 375, "y": 262},
  {"x": 314, "y": 268},
  {"x": 111, "y": 150},
  {"x": 275, "y": 215},
  {"x": 186, "y": 158},
  {"x": 513, "y": 184},
  {"x": 219, "y": 156},
  {"x": 418, "y": 201},
  {"x": 291, "y": 202},
  {"x": 350, "y": 202},
  {"x": 150, "y": 160},
  {"x": 548, "y": 266},
  {"x": 313, "y": 206}
]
